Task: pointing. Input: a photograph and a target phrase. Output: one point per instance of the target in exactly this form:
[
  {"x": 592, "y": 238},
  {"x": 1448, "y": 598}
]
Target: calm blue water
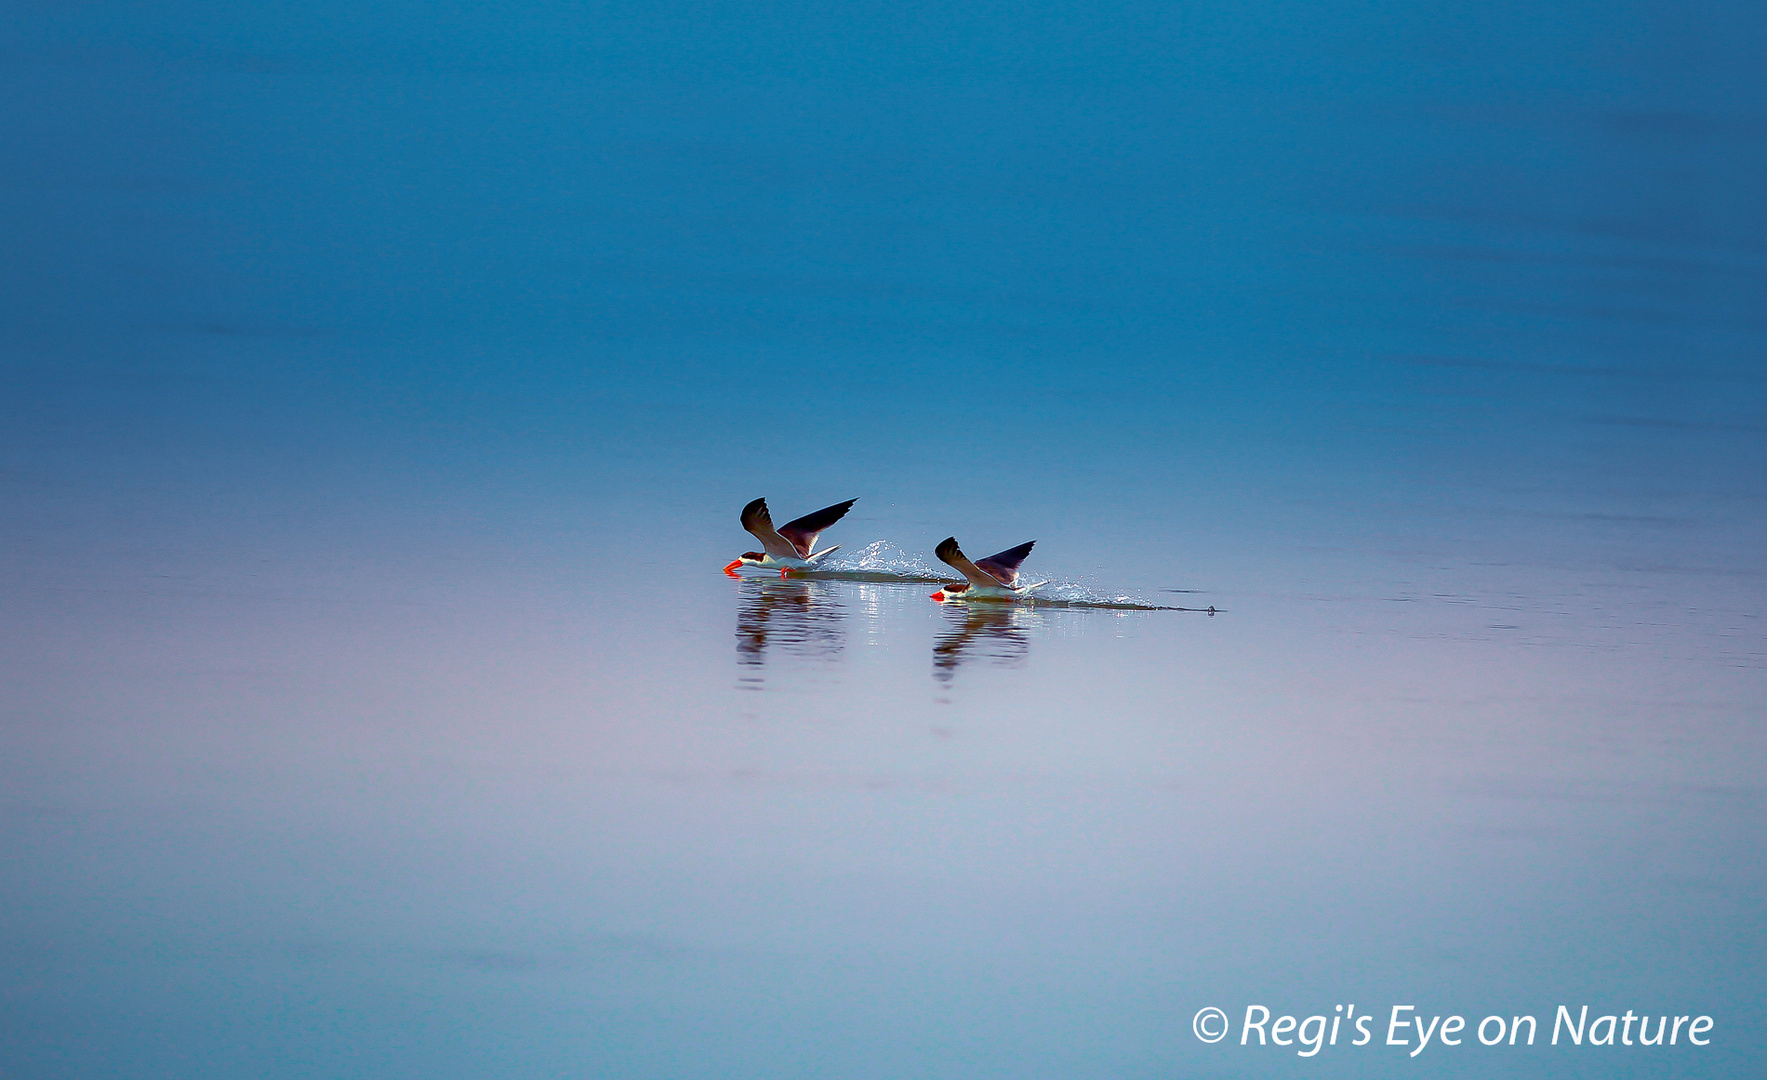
[{"x": 379, "y": 389}]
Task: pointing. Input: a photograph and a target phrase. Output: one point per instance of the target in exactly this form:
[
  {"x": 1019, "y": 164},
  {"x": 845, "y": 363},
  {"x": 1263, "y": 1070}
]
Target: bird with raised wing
[
  {"x": 792, "y": 545},
  {"x": 992, "y": 578}
]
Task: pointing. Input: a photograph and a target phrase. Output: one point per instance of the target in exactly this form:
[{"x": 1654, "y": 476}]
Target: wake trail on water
[{"x": 883, "y": 562}]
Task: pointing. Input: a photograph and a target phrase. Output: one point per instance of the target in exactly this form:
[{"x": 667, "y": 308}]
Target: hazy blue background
[{"x": 379, "y": 387}]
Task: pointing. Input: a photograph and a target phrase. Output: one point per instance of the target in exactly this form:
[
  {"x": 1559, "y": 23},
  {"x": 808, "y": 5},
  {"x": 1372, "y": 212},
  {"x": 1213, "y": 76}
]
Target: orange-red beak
[
  {"x": 939, "y": 596},
  {"x": 731, "y": 569}
]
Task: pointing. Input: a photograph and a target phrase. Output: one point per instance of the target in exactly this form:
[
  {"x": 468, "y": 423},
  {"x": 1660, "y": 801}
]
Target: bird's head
[{"x": 747, "y": 558}]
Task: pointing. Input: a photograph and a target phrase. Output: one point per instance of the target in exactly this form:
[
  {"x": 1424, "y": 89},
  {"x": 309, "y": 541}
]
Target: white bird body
[
  {"x": 769, "y": 561},
  {"x": 989, "y": 592}
]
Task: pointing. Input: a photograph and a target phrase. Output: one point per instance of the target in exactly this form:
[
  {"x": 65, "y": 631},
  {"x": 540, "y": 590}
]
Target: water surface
[{"x": 381, "y": 389}]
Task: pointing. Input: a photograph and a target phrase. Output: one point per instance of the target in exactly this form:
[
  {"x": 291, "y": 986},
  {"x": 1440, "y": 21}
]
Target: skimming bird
[
  {"x": 788, "y": 547},
  {"x": 994, "y": 578}
]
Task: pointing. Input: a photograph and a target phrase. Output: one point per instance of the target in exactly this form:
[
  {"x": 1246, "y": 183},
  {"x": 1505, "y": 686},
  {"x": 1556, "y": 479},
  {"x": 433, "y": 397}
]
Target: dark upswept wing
[
  {"x": 949, "y": 554},
  {"x": 802, "y": 533},
  {"x": 1004, "y": 566},
  {"x": 756, "y": 520}
]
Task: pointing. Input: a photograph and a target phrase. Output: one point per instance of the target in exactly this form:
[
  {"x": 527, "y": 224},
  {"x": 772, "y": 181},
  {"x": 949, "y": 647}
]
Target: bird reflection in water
[
  {"x": 998, "y": 633},
  {"x": 798, "y": 618}
]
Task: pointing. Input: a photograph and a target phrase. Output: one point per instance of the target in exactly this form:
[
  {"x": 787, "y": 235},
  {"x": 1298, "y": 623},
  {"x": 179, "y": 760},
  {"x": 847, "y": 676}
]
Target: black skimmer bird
[
  {"x": 791, "y": 546},
  {"x": 993, "y": 578}
]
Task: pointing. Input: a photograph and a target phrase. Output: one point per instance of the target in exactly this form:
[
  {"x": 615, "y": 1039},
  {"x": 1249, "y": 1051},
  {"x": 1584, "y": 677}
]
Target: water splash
[
  {"x": 884, "y": 562},
  {"x": 881, "y": 561}
]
